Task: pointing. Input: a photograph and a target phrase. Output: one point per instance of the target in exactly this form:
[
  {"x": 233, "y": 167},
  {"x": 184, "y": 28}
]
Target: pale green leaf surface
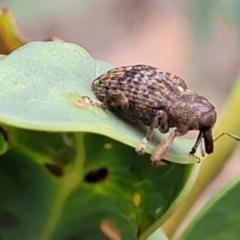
[
  {"x": 158, "y": 235},
  {"x": 220, "y": 218},
  {"x": 40, "y": 83}
]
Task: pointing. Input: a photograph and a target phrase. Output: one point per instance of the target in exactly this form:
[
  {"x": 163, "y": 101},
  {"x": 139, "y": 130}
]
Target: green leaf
[
  {"x": 220, "y": 218},
  {"x": 41, "y": 84},
  {"x": 59, "y": 185},
  {"x": 60, "y": 178}
]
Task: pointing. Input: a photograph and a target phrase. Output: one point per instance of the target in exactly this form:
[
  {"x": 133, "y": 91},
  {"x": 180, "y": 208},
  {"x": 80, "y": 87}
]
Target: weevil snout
[
  {"x": 205, "y": 126},
  {"x": 208, "y": 141}
]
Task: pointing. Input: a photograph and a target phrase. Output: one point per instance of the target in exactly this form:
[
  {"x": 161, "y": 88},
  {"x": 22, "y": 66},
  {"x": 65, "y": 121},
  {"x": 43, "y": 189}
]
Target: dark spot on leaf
[
  {"x": 95, "y": 176},
  {"x": 8, "y": 220},
  {"x": 55, "y": 169}
]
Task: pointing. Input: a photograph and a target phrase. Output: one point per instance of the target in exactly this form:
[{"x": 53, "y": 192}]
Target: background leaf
[
  {"x": 220, "y": 218},
  {"x": 10, "y": 39}
]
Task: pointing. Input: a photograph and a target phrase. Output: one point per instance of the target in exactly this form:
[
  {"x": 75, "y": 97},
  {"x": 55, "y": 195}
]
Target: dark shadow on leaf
[
  {"x": 8, "y": 220},
  {"x": 56, "y": 170}
]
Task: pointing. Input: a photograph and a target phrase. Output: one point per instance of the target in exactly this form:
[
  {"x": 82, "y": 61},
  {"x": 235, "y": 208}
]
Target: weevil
[{"x": 157, "y": 99}]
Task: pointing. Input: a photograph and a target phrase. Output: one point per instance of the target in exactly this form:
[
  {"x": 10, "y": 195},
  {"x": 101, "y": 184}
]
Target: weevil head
[
  {"x": 206, "y": 124},
  {"x": 192, "y": 111}
]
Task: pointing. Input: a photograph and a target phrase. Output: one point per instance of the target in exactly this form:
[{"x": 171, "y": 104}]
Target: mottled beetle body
[{"x": 157, "y": 99}]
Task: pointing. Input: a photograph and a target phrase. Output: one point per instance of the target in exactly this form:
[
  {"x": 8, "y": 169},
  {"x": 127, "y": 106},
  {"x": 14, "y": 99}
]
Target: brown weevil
[{"x": 157, "y": 99}]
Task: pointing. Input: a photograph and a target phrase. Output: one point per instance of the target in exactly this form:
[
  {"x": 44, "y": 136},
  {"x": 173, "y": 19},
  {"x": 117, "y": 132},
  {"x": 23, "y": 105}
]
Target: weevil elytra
[{"x": 157, "y": 99}]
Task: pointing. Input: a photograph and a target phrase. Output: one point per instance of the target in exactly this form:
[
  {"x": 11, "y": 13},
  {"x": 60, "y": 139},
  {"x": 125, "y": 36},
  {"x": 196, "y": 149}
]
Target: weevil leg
[
  {"x": 198, "y": 159},
  {"x": 92, "y": 102},
  {"x": 202, "y": 150},
  {"x": 194, "y": 148},
  {"x": 112, "y": 98},
  {"x": 116, "y": 98},
  {"x": 155, "y": 123},
  {"x": 141, "y": 148},
  {"x": 163, "y": 147}
]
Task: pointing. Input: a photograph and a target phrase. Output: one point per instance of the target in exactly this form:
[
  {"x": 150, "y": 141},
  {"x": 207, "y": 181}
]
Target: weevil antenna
[{"x": 237, "y": 138}]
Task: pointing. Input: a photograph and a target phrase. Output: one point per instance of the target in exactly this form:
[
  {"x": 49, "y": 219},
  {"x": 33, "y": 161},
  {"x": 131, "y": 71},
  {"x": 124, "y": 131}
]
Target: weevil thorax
[{"x": 192, "y": 111}]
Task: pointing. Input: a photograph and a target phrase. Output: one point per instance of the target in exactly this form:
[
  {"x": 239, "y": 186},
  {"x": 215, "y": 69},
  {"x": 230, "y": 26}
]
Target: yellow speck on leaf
[
  {"x": 137, "y": 199},
  {"x": 107, "y": 145}
]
